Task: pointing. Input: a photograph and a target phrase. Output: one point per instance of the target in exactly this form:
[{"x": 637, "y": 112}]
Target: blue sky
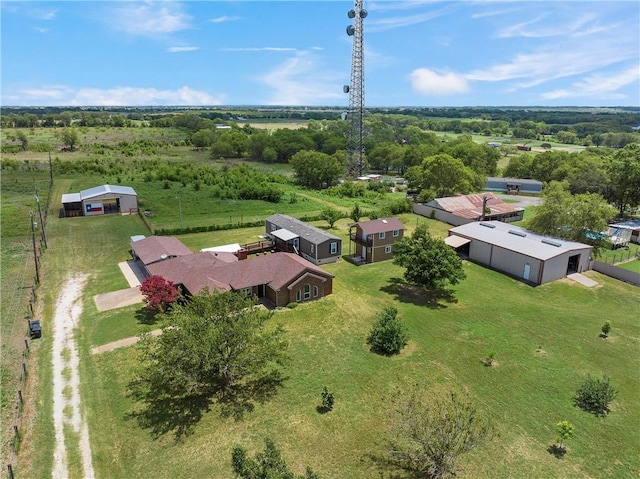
[{"x": 416, "y": 53}]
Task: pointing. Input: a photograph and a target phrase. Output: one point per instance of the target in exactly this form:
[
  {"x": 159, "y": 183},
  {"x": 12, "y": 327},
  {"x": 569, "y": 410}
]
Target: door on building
[
  {"x": 527, "y": 271},
  {"x": 573, "y": 264}
]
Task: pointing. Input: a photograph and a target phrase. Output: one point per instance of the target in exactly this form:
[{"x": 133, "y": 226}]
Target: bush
[
  {"x": 327, "y": 401},
  {"x": 594, "y": 395},
  {"x": 388, "y": 335}
]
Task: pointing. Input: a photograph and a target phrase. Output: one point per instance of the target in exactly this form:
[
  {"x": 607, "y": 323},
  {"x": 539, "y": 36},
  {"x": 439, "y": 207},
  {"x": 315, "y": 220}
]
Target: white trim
[{"x": 304, "y": 276}]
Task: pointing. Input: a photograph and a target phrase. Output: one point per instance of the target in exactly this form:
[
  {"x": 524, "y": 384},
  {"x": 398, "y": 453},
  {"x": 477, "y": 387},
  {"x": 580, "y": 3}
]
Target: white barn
[
  {"x": 520, "y": 253},
  {"x": 100, "y": 200}
]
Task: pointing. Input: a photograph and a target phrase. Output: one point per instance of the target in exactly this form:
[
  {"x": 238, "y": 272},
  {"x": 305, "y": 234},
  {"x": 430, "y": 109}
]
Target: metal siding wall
[
  {"x": 128, "y": 203},
  {"x": 480, "y": 252},
  {"x": 556, "y": 268},
  {"x": 513, "y": 263}
]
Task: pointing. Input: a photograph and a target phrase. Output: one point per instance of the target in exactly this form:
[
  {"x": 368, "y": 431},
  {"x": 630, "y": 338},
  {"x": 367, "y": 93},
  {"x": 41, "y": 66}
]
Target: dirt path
[
  {"x": 121, "y": 343},
  {"x": 66, "y": 380}
]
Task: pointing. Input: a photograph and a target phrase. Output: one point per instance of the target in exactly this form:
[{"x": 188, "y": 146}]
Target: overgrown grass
[{"x": 546, "y": 340}]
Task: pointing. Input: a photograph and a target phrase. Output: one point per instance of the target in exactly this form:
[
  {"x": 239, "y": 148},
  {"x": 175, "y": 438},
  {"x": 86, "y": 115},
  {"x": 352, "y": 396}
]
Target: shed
[
  {"x": 100, "y": 200},
  {"x": 461, "y": 209},
  {"x": 513, "y": 185},
  {"x": 533, "y": 258}
]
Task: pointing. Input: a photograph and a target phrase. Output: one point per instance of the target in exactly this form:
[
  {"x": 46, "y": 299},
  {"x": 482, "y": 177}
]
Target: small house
[
  {"x": 373, "y": 240},
  {"x": 291, "y": 235}
]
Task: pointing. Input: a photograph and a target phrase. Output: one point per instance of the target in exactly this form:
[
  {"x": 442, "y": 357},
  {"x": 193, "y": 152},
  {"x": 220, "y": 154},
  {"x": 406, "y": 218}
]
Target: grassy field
[{"x": 545, "y": 339}]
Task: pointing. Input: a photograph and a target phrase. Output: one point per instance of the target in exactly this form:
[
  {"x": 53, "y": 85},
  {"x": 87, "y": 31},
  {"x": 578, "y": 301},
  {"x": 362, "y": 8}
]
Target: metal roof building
[
  {"x": 520, "y": 253},
  {"x": 100, "y": 200},
  {"x": 462, "y": 209}
]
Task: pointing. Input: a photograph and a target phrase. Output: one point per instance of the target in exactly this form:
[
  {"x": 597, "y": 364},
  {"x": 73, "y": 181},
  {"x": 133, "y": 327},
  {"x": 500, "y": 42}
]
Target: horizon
[{"x": 417, "y": 54}]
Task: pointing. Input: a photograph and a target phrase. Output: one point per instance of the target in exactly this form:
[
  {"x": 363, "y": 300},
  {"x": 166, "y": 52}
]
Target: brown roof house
[
  {"x": 374, "y": 239},
  {"x": 280, "y": 278},
  {"x": 463, "y": 209},
  {"x": 158, "y": 248}
]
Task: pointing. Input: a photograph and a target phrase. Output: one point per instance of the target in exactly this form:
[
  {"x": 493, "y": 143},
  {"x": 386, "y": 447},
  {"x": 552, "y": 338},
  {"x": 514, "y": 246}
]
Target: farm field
[{"x": 545, "y": 339}]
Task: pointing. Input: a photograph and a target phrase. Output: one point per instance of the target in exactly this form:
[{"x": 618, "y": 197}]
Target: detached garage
[
  {"x": 519, "y": 253},
  {"x": 100, "y": 200}
]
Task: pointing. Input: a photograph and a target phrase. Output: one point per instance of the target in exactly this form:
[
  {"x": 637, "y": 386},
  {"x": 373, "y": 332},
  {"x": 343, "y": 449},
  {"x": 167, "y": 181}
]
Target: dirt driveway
[{"x": 66, "y": 381}]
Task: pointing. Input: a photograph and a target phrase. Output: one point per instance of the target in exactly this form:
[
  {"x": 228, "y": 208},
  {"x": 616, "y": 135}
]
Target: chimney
[{"x": 241, "y": 254}]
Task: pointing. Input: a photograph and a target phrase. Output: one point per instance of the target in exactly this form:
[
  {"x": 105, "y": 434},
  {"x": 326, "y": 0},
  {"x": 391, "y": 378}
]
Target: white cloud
[
  {"x": 259, "y": 49},
  {"x": 117, "y": 96},
  {"x": 429, "y": 82},
  {"x": 182, "y": 49},
  {"x": 300, "y": 81},
  {"x": 41, "y": 30},
  {"x": 599, "y": 85},
  {"x": 150, "y": 18},
  {"x": 224, "y": 19},
  {"x": 384, "y": 24}
]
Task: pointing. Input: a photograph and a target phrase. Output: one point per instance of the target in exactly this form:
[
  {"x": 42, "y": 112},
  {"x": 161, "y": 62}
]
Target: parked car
[{"x": 35, "y": 329}]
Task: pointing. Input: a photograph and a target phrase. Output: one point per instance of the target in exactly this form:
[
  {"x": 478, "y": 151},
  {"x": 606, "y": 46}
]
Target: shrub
[
  {"x": 388, "y": 335},
  {"x": 594, "y": 395},
  {"x": 565, "y": 431},
  {"x": 327, "y": 400},
  {"x": 606, "y": 327}
]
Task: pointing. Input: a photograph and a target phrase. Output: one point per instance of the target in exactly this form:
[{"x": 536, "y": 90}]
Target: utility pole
[
  {"x": 50, "y": 172},
  {"x": 44, "y": 235},
  {"x": 180, "y": 210},
  {"x": 35, "y": 251}
]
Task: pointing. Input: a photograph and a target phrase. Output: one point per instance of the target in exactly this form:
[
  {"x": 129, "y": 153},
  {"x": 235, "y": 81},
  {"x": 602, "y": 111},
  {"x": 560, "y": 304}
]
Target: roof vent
[
  {"x": 384, "y": 221},
  {"x": 552, "y": 243},
  {"x": 517, "y": 233},
  {"x": 164, "y": 256},
  {"x": 487, "y": 225}
]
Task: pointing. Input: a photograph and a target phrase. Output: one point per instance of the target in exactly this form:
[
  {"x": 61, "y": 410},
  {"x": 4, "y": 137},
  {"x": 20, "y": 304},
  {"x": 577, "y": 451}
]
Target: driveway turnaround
[{"x": 118, "y": 299}]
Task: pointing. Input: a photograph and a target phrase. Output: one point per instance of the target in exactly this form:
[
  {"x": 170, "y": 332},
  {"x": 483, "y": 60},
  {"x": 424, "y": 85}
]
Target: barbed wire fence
[{"x": 16, "y": 422}]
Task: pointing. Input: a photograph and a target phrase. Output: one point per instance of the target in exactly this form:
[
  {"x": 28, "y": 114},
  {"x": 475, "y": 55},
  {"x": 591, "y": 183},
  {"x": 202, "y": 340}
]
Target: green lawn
[{"x": 545, "y": 339}]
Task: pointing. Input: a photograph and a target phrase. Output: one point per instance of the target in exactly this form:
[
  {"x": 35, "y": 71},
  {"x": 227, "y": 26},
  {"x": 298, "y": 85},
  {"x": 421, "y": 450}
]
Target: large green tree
[
  {"x": 430, "y": 263},
  {"x": 572, "y": 217},
  {"x": 624, "y": 173},
  {"x": 214, "y": 347},
  {"x": 444, "y": 176},
  {"x": 316, "y": 169}
]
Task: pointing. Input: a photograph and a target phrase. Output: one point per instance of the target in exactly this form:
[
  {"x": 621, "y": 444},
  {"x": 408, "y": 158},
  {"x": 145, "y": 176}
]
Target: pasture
[{"x": 545, "y": 339}]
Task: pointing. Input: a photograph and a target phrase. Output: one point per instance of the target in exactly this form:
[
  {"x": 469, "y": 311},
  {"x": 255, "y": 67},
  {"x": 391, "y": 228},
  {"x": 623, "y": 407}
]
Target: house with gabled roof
[
  {"x": 463, "y": 209},
  {"x": 100, "y": 200},
  {"x": 310, "y": 242},
  {"x": 373, "y": 240},
  {"x": 158, "y": 248},
  {"x": 280, "y": 278}
]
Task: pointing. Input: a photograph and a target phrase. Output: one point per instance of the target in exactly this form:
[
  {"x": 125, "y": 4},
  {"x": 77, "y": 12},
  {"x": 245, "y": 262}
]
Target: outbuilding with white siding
[
  {"x": 100, "y": 200},
  {"x": 520, "y": 253}
]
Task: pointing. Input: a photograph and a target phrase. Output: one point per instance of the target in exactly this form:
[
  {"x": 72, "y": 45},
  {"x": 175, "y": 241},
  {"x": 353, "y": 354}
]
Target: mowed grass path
[{"x": 546, "y": 340}]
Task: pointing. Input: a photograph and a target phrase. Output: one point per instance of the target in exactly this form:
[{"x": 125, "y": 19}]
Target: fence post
[
  {"x": 16, "y": 438},
  {"x": 10, "y": 470},
  {"x": 20, "y": 396}
]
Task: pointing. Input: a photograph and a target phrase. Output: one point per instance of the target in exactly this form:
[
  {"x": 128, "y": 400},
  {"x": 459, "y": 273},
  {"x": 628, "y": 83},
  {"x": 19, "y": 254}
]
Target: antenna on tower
[{"x": 355, "y": 141}]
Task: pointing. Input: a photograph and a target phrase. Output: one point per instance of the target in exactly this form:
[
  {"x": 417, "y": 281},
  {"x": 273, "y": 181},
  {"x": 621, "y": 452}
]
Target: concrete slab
[
  {"x": 583, "y": 280},
  {"x": 132, "y": 272},
  {"x": 118, "y": 299}
]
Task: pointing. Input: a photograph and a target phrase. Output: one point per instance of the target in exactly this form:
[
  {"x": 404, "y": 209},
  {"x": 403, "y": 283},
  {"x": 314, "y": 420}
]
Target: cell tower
[{"x": 355, "y": 141}]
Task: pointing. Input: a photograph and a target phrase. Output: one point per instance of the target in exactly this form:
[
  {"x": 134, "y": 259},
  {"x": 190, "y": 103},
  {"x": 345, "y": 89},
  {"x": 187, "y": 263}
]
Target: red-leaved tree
[{"x": 158, "y": 292}]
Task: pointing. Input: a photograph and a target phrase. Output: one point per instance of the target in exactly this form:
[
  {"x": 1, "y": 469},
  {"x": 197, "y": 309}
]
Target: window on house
[
  {"x": 313, "y": 248},
  {"x": 298, "y": 295},
  {"x": 273, "y": 227},
  {"x": 246, "y": 292},
  {"x": 387, "y": 249},
  {"x": 334, "y": 247},
  {"x": 396, "y": 233},
  {"x": 315, "y": 291},
  {"x": 382, "y": 235},
  {"x": 307, "y": 291}
]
